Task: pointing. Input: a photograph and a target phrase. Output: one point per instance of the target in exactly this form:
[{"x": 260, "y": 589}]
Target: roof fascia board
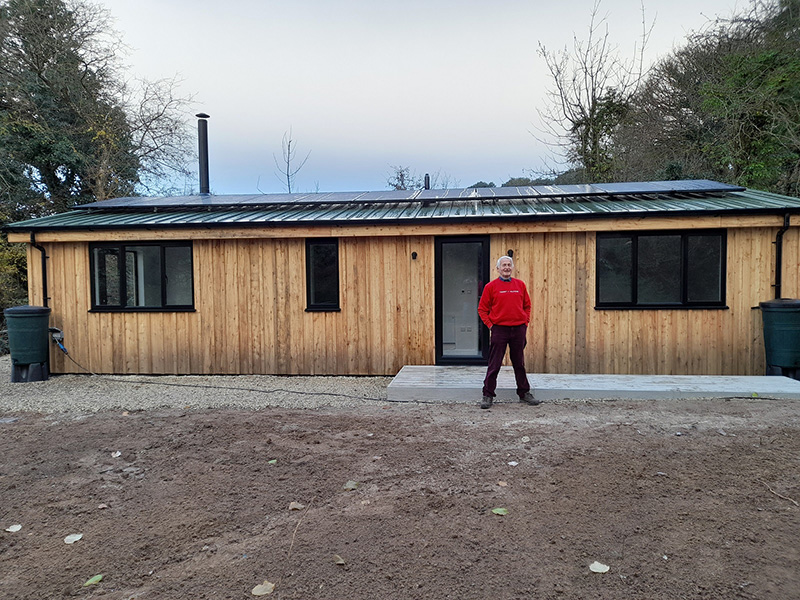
[{"x": 411, "y": 228}]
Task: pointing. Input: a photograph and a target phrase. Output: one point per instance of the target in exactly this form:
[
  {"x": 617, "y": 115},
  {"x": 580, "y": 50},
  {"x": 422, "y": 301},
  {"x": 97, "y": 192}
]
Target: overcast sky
[{"x": 448, "y": 86}]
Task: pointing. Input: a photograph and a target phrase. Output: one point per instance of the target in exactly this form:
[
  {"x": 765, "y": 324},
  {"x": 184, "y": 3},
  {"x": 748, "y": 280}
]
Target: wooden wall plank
[
  {"x": 361, "y": 293},
  {"x": 204, "y": 305},
  {"x": 59, "y": 258},
  {"x": 790, "y": 280},
  {"x": 244, "y": 307},
  {"x": 255, "y": 266},
  {"x": 581, "y": 359},
  {"x": 283, "y": 328}
]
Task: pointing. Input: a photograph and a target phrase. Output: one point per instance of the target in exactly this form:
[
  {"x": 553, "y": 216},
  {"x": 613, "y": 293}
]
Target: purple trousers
[{"x": 515, "y": 338}]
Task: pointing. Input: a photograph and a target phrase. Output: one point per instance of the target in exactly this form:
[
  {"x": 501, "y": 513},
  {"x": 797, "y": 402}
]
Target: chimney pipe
[
  {"x": 427, "y": 181},
  {"x": 202, "y": 146}
]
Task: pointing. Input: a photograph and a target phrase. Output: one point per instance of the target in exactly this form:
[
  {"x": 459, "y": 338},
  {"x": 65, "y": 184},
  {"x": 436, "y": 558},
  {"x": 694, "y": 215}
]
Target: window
[
  {"x": 322, "y": 274},
  {"x": 661, "y": 270},
  {"x": 142, "y": 276}
]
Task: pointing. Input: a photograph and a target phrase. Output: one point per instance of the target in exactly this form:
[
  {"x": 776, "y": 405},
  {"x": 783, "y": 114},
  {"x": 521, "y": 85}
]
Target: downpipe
[
  {"x": 779, "y": 257},
  {"x": 41, "y": 249}
]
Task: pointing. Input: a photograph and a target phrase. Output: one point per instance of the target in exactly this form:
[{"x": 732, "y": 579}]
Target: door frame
[{"x": 483, "y": 339}]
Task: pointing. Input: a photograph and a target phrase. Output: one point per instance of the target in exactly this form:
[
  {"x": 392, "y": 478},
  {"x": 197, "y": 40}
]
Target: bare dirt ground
[{"x": 680, "y": 499}]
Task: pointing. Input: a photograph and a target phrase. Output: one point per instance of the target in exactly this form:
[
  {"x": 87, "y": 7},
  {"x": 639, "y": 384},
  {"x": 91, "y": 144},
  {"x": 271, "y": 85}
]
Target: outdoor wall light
[
  {"x": 511, "y": 253},
  {"x": 413, "y": 256}
]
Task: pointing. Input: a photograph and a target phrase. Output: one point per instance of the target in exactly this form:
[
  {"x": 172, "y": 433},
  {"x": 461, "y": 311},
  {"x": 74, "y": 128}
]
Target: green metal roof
[{"x": 536, "y": 203}]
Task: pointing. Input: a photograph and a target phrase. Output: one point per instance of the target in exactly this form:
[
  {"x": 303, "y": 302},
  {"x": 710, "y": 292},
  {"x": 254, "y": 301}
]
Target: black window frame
[
  {"x": 121, "y": 250},
  {"x": 684, "y": 302},
  {"x": 311, "y": 304}
]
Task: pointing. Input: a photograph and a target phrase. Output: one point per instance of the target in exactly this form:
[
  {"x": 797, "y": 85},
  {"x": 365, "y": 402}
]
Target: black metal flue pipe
[{"x": 202, "y": 146}]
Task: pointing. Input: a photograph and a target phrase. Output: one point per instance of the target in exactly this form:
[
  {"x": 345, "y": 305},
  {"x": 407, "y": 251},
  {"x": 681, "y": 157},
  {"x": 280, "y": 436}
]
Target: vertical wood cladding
[
  {"x": 250, "y": 309},
  {"x": 250, "y": 312}
]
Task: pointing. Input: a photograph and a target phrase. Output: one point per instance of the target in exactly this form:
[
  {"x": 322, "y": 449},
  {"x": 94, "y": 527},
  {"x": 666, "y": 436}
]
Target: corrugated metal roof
[{"x": 431, "y": 206}]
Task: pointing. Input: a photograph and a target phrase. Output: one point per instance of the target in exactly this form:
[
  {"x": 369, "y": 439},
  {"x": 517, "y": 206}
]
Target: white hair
[{"x": 502, "y": 258}]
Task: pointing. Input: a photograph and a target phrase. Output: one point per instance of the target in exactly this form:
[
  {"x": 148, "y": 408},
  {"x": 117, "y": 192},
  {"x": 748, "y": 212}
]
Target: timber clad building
[{"x": 639, "y": 278}]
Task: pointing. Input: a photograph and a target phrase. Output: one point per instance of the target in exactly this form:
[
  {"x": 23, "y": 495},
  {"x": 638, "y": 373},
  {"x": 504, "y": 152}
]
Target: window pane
[
  {"x": 178, "y": 275},
  {"x": 323, "y": 275},
  {"x": 106, "y": 277},
  {"x": 143, "y": 275},
  {"x": 130, "y": 278},
  {"x": 704, "y": 264},
  {"x": 614, "y": 260},
  {"x": 659, "y": 269}
]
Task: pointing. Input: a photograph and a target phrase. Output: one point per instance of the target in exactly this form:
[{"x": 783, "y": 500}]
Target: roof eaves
[{"x": 429, "y": 219}]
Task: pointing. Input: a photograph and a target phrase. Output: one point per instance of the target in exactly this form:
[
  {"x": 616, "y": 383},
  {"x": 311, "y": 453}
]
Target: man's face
[{"x": 505, "y": 268}]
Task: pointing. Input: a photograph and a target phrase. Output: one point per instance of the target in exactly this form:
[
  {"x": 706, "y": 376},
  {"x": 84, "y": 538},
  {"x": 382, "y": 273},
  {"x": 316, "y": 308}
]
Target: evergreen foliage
[
  {"x": 725, "y": 106},
  {"x": 72, "y": 129}
]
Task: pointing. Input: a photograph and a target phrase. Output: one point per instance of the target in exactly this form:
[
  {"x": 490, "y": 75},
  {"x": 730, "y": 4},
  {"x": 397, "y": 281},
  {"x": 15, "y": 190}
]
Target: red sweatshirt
[{"x": 505, "y": 303}]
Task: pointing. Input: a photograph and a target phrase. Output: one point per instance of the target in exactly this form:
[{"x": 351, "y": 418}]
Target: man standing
[{"x": 505, "y": 308}]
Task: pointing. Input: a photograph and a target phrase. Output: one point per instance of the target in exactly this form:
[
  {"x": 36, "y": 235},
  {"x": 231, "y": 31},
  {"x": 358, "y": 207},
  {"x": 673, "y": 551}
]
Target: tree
[
  {"x": 592, "y": 88},
  {"x": 526, "y": 181},
  {"x": 13, "y": 282},
  {"x": 482, "y": 184},
  {"x": 755, "y": 97},
  {"x": 72, "y": 130},
  {"x": 403, "y": 178},
  {"x": 288, "y": 168},
  {"x": 725, "y": 106},
  {"x": 161, "y": 133}
]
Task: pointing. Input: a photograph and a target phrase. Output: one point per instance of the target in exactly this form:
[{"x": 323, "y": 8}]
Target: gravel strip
[{"x": 95, "y": 393}]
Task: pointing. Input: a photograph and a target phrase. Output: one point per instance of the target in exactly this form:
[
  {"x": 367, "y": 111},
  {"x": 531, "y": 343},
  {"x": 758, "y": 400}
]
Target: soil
[{"x": 680, "y": 499}]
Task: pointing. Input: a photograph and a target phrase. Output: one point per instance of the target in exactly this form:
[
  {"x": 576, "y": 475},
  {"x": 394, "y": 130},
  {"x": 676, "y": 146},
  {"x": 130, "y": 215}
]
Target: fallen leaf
[
  {"x": 500, "y": 511},
  {"x": 72, "y": 538},
  {"x": 502, "y": 483},
  {"x": 351, "y": 485},
  {"x": 272, "y": 462},
  {"x": 296, "y": 506},
  {"x": 338, "y": 559},
  {"x": 597, "y": 567},
  {"x": 262, "y": 589},
  {"x": 94, "y": 580},
  {"x": 13, "y": 528}
]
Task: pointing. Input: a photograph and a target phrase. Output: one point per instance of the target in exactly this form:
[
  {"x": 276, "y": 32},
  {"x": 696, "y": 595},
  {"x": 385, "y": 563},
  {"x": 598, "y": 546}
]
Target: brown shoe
[
  {"x": 487, "y": 402},
  {"x": 529, "y": 399}
]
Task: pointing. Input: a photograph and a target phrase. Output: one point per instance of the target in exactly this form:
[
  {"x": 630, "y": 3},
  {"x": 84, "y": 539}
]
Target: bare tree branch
[
  {"x": 288, "y": 168},
  {"x": 592, "y": 87}
]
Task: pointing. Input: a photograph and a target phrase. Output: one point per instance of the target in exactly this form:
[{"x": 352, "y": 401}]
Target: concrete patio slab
[{"x": 463, "y": 385}]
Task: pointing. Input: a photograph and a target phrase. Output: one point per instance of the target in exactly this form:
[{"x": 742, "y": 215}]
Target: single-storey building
[{"x": 628, "y": 278}]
